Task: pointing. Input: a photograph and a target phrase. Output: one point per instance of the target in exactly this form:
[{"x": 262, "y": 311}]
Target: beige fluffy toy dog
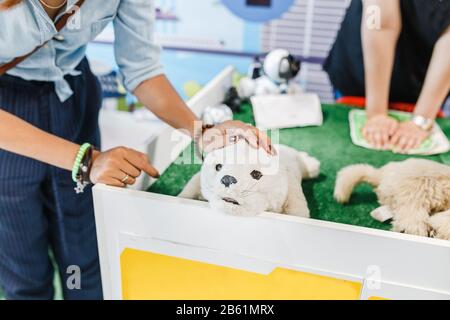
[{"x": 416, "y": 192}]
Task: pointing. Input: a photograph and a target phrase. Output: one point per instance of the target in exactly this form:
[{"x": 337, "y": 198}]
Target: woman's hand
[
  {"x": 120, "y": 167},
  {"x": 379, "y": 129},
  {"x": 229, "y": 132},
  {"x": 408, "y": 136}
]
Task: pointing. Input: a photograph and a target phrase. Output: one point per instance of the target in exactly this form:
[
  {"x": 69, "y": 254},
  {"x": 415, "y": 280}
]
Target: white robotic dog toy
[
  {"x": 244, "y": 181},
  {"x": 280, "y": 68}
]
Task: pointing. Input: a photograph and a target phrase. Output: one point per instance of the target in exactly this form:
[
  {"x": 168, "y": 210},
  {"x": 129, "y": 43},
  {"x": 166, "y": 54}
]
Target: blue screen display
[
  {"x": 258, "y": 10},
  {"x": 263, "y": 3}
]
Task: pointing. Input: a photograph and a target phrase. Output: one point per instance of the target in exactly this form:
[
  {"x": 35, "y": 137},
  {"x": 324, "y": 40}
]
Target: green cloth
[
  {"x": 436, "y": 143},
  {"x": 331, "y": 144}
]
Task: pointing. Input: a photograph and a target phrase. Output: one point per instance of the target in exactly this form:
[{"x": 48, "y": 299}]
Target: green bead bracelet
[{"x": 76, "y": 165}]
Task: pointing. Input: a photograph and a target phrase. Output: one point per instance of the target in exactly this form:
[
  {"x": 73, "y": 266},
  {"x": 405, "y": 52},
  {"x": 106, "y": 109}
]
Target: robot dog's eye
[
  {"x": 256, "y": 174},
  {"x": 218, "y": 167}
]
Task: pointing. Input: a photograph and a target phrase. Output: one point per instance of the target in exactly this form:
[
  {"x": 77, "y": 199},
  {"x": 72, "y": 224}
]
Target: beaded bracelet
[
  {"x": 78, "y": 166},
  {"x": 86, "y": 165},
  {"x": 78, "y": 159}
]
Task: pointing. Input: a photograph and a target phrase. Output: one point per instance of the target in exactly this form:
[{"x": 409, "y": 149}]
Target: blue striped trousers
[{"x": 39, "y": 210}]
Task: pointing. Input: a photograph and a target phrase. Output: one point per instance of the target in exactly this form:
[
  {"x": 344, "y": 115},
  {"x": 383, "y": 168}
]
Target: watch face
[{"x": 424, "y": 123}]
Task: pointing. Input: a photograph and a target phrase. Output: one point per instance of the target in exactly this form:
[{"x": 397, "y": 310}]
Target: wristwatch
[{"x": 423, "y": 123}]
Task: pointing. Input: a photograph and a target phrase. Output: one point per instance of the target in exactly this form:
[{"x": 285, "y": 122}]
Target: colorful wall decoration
[{"x": 236, "y": 30}]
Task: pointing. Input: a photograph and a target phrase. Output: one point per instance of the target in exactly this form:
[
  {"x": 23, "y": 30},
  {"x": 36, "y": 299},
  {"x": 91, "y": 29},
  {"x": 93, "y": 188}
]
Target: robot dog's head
[
  {"x": 281, "y": 66},
  {"x": 242, "y": 180}
]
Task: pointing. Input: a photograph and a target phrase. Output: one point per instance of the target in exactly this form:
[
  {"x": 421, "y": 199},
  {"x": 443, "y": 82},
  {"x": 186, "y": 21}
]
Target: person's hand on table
[
  {"x": 229, "y": 132},
  {"x": 379, "y": 129},
  {"x": 408, "y": 136},
  {"x": 120, "y": 167}
]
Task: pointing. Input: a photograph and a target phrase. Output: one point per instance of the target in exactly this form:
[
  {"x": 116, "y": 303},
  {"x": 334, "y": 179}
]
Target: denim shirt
[{"x": 26, "y": 26}]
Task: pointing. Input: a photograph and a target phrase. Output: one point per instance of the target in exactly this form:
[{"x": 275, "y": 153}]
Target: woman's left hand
[
  {"x": 408, "y": 136},
  {"x": 229, "y": 132}
]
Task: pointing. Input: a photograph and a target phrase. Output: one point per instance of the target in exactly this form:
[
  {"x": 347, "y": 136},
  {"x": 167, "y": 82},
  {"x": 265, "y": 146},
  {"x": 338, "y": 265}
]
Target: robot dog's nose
[{"x": 228, "y": 181}]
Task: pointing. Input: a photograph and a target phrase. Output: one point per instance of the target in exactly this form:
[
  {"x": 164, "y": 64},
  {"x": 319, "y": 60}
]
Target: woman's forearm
[
  {"x": 379, "y": 43},
  {"x": 437, "y": 80},
  {"x": 161, "y": 98},
  {"x": 22, "y": 138},
  {"x": 158, "y": 95}
]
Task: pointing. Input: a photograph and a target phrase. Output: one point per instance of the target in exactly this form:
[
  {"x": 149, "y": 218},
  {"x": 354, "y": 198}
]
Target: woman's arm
[
  {"x": 379, "y": 43},
  {"x": 20, "y": 137},
  {"x": 161, "y": 98},
  {"x": 437, "y": 80},
  {"x": 432, "y": 96},
  {"x": 109, "y": 167}
]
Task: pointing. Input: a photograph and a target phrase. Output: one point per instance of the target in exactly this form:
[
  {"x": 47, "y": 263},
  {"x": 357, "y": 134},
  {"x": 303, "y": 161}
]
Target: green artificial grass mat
[{"x": 331, "y": 144}]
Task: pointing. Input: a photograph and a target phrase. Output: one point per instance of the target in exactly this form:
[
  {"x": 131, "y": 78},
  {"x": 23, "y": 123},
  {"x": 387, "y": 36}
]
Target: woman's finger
[
  {"x": 265, "y": 142},
  {"x": 369, "y": 137},
  {"x": 129, "y": 179},
  {"x": 372, "y": 140},
  {"x": 141, "y": 161},
  {"x": 395, "y": 139},
  {"x": 412, "y": 144},
  {"x": 123, "y": 177},
  {"x": 377, "y": 139},
  {"x": 364, "y": 131},
  {"x": 128, "y": 168},
  {"x": 112, "y": 182},
  {"x": 403, "y": 142},
  {"x": 150, "y": 170},
  {"x": 214, "y": 143},
  {"x": 385, "y": 138},
  {"x": 393, "y": 128},
  {"x": 367, "y": 132},
  {"x": 213, "y": 138},
  {"x": 370, "y": 133},
  {"x": 408, "y": 145},
  {"x": 249, "y": 135},
  {"x": 419, "y": 142}
]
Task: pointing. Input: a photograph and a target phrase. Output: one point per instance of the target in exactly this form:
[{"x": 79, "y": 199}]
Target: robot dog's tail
[{"x": 349, "y": 177}]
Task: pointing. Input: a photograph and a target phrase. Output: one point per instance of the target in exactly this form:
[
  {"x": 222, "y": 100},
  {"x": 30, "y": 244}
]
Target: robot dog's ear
[{"x": 289, "y": 67}]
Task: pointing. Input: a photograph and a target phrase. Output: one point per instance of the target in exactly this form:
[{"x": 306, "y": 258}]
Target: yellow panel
[
  {"x": 377, "y": 298},
  {"x": 153, "y": 276},
  {"x": 148, "y": 275}
]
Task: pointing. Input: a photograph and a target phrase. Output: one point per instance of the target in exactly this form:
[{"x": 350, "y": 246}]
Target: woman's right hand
[
  {"x": 379, "y": 129},
  {"x": 120, "y": 167}
]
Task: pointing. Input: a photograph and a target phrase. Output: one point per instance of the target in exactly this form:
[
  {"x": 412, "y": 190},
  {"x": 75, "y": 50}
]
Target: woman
[
  {"x": 394, "y": 50},
  {"x": 49, "y": 106}
]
